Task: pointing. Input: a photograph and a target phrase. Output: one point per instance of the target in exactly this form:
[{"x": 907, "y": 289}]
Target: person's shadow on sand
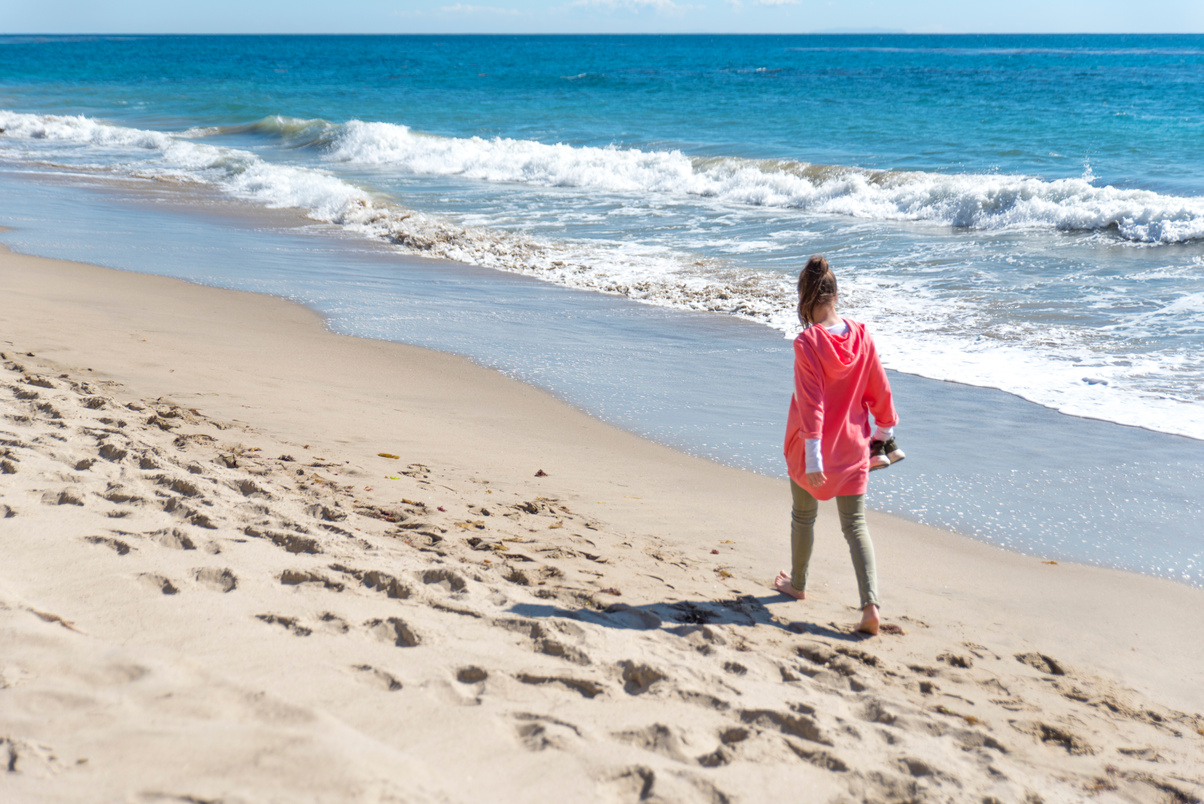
[{"x": 683, "y": 617}]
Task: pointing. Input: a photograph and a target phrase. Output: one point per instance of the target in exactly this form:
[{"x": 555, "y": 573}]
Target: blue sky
[{"x": 600, "y": 16}]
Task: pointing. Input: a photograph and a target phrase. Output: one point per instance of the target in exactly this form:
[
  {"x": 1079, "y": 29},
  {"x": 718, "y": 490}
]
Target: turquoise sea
[{"x": 1019, "y": 219}]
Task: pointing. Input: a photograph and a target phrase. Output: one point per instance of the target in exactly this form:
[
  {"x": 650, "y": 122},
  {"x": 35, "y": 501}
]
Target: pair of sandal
[{"x": 884, "y": 453}]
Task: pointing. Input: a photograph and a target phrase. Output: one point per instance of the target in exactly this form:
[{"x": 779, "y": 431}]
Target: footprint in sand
[
  {"x": 394, "y": 630},
  {"x": 553, "y": 647},
  {"x": 311, "y": 579},
  {"x": 48, "y": 410},
  {"x": 449, "y": 580},
  {"x": 587, "y": 688},
  {"x": 116, "y": 544},
  {"x": 798, "y": 726},
  {"x": 875, "y": 711},
  {"x": 657, "y": 738},
  {"x": 159, "y": 582},
  {"x": 471, "y": 675},
  {"x": 23, "y": 757},
  {"x": 221, "y": 580},
  {"x": 829, "y": 660},
  {"x": 374, "y": 677},
  {"x": 638, "y": 677},
  {"x": 286, "y": 541},
  {"x": 288, "y": 623},
  {"x": 64, "y": 497},
  {"x": 181, "y": 486},
  {"x": 419, "y": 472},
  {"x": 326, "y": 513},
  {"x": 173, "y": 538},
  {"x": 716, "y": 759},
  {"x": 377, "y": 581},
  {"x": 1054, "y": 736},
  {"x": 111, "y": 452},
  {"x": 1144, "y": 753},
  {"x": 1041, "y": 662},
  {"x": 117, "y": 493},
  {"x": 183, "y": 511},
  {"x": 189, "y": 440},
  {"x": 822, "y": 759},
  {"x": 516, "y": 576},
  {"x": 621, "y": 615},
  {"x": 540, "y": 732},
  {"x": 332, "y": 623},
  {"x": 955, "y": 660}
]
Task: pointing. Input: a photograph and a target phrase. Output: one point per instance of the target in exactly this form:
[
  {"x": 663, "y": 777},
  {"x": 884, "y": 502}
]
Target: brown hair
[{"x": 816, "y": 287}]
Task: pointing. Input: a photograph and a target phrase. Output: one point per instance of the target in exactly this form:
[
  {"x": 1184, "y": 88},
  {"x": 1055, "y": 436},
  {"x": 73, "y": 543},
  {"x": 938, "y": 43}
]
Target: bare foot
[
  {"x": 783, "y": 584},
  {"x": 869, "y": 620}
]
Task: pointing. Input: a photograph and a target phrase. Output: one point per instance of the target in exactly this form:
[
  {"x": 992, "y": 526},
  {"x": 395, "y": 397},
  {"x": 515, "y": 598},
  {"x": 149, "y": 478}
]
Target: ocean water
[{"x": 1018, "y": 213}]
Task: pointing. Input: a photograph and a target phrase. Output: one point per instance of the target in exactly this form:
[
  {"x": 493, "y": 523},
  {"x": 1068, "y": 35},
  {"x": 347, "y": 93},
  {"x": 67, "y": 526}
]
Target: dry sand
[{"x": 244, "y": 559}]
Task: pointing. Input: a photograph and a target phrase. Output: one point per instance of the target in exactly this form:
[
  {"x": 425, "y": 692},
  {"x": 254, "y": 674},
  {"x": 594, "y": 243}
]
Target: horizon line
[{"x": 4, "y": 35}]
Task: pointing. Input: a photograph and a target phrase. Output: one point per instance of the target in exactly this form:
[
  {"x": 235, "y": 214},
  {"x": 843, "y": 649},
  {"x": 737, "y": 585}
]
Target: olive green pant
[{"x": 852, "y": 523}]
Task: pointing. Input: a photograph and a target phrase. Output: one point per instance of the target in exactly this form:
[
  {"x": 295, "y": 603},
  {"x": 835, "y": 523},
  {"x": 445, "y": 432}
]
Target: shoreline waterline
[{"x": 702, "y": 384}]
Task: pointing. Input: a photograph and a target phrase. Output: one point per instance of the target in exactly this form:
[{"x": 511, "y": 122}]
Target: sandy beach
[{"x": 246, "y": 559}]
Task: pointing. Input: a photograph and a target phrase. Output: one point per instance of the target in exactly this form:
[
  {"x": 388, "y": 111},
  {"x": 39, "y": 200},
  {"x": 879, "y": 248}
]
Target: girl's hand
[{"x": 816, "y": 479}]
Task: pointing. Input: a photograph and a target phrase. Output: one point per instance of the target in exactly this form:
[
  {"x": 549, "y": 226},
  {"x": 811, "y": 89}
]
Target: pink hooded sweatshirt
[{"x": 838, "y": 382}]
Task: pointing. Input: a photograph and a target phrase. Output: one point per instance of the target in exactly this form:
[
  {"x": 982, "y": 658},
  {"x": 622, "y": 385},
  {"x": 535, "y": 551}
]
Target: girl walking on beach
[{"x": 838, "y": 382}]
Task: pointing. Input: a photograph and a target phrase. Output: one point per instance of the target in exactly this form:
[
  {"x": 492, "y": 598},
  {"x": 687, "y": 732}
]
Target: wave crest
[{"x": 975, "y": 201}]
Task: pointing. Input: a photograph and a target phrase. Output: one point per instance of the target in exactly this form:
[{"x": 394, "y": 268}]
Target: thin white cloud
[
  {"x": 462, "y": 8},
  {"x": 659, "y": 6},
  {"x": 736, "y": 4},
  {"x": 777, "y": 2}
]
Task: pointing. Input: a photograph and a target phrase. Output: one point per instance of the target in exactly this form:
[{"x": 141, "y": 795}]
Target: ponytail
[{"x": 816, "y": 288}]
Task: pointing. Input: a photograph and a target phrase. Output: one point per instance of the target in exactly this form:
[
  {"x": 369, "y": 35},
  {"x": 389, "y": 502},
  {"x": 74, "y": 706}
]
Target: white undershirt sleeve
[{"x": 811, "y": 453}]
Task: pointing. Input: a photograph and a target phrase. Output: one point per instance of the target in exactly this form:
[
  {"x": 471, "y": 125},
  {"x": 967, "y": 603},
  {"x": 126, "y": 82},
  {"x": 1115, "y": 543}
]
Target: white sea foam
[
  {"x": 155, "y": 154},
  {"x": 918, "y": 332},
  {"x": 977, "y": 201}
]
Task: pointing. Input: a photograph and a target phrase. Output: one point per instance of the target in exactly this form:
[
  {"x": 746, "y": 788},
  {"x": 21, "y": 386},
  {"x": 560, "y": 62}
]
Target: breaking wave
[{"x": 975, "y": 201}]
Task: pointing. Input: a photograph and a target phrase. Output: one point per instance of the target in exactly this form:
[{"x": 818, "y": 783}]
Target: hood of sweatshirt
[{"x": 837, "y": 353}]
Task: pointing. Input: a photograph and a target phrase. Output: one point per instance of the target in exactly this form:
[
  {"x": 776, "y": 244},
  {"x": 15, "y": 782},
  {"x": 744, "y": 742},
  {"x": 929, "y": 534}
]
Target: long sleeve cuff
[{"x": 811, "y": 453}]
